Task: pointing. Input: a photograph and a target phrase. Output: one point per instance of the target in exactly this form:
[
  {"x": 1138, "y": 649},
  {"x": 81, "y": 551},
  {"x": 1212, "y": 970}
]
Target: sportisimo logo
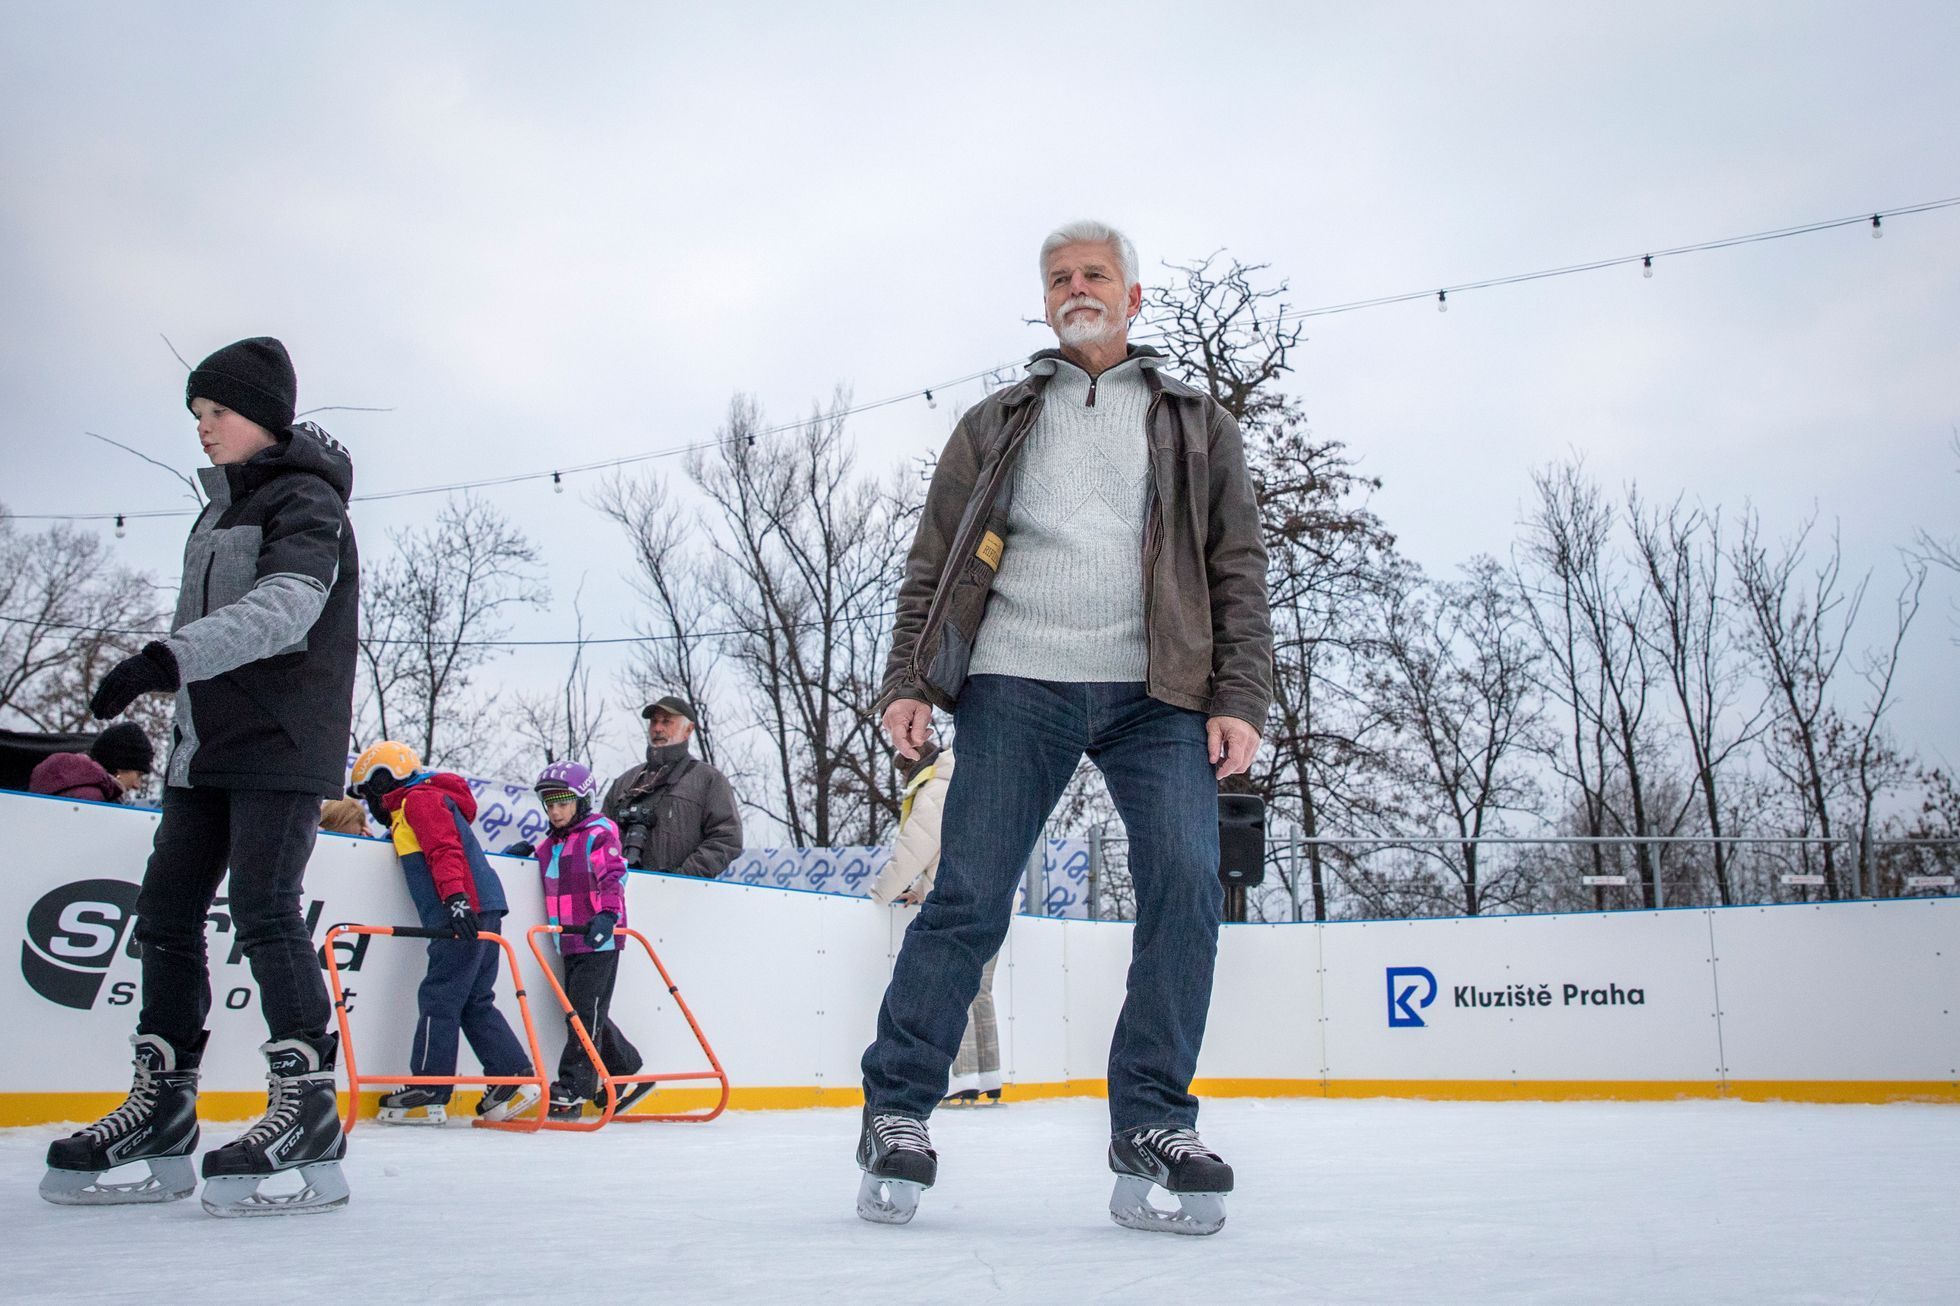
[
  {"x": 73, "y": 933},
  {"x": 1403, "y": 982}
]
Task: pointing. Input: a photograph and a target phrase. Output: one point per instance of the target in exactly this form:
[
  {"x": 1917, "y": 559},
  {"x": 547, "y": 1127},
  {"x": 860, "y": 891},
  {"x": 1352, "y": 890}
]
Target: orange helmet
[{"x": 398, "y": 760}]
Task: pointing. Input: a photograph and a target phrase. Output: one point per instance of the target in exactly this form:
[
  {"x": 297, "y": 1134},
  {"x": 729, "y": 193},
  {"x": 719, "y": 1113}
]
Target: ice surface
[{"x": 1381, "y": 1201}]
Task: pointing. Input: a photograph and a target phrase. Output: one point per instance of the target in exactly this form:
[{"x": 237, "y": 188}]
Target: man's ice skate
[
  {"x": 156, "y": 1124},
  {"x": 502, "y": 1101},
  {"x": 417, "y": 1104},
  {"x": 299, "y": 1131},
  {"x": 1178, "y": 1162},
  {"x": 896, "y": 1156},
  {"x": 565, "y": 1105}
]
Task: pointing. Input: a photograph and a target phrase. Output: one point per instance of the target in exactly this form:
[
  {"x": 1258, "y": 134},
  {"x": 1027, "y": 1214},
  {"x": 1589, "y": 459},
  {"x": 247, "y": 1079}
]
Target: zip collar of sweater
[{"x": 1151, "y": 360}]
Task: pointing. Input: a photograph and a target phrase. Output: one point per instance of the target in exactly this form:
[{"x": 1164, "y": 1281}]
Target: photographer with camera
[{"x": 675, "y": 812}]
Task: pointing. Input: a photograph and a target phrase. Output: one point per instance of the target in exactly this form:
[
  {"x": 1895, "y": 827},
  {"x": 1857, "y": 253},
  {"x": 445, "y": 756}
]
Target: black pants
[
  {"x": 458, "y": 996},
  {"x": 589, "y": 980},
  {"x": 264, "y": 837}
]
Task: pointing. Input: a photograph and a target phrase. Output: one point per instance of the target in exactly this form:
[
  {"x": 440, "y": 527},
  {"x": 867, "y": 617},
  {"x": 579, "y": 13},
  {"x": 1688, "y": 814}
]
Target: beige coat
[{"x": 915, "y": 859}]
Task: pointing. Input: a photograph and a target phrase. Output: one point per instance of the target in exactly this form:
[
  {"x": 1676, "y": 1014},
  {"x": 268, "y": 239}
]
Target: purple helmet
[{"x": 574, "y": 778}]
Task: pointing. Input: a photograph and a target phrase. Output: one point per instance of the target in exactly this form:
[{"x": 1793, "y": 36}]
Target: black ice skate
[
  {"x": 157, "y": 1123},
  {"x": 629, "y": 1094},
  {"x": 1177, "y": 1161},
  {"x": 418, "y": 1104},
  {"x": 565, "y": 1105},
  {"x": 896, "y": 1156},
  {"x": 299, "y": 1131},
  {"x": 502, "y": 1101}
]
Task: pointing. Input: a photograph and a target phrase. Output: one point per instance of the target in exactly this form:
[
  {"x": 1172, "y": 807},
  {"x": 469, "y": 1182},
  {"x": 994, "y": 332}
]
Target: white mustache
[{"x": 1080, "y": 301}]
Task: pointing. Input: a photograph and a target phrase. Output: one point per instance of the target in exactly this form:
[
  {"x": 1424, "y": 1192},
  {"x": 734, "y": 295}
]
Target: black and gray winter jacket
[{"x": 266, "y": 623}]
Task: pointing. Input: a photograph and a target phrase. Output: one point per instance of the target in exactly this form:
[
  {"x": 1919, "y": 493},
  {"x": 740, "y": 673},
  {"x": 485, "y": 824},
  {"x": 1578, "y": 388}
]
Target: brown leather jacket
[{"x": 1204, "y": 565}]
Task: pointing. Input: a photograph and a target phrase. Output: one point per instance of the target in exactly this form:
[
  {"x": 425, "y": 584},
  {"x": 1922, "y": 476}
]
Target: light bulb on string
[
  {"x": 122, "y": 528},
  {"x": 1878, "y": 232},
  {"x": 930, "y": 401},
  {"x": 557, "y": 483},
  {"x": 1442, "y": 301},
  {"x": 1647, "y": 266}
]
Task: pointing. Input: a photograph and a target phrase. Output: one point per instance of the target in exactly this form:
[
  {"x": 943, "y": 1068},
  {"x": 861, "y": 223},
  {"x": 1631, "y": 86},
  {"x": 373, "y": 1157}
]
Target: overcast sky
[{"x": 558, "y": 233}]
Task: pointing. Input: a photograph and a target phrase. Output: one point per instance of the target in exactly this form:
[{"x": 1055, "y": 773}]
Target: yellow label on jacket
[{"x": 991, "y": 547}]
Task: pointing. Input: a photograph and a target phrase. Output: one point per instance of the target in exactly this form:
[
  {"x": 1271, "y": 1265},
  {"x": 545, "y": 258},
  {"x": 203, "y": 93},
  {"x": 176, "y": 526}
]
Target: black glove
[
  {"x": 462, "y": 918},
  {"x": 599, "y": 930},
  {"x": 522, "y": 848},
  {"x": 151, "y": 671}
]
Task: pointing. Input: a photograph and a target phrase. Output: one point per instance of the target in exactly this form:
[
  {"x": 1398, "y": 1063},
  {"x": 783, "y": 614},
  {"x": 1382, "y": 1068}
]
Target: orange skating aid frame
[
  {"x": 355, "y": 1079},
  {"x": 611, "y": 1080}
]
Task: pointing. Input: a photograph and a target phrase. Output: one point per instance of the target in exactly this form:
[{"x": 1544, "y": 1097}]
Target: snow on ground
[{"x": 1348, "y": 1201}]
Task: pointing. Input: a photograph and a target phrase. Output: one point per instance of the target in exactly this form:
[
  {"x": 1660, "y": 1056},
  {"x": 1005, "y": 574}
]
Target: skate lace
[
  {"x": 901, "y": 1133},
  {"x": 1174, "y": 1144},
  {"x": 142, "y": 1096},
  {"x": 281, "y": 1113}
]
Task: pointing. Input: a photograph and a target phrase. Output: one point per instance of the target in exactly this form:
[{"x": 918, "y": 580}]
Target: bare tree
[
  {"x": 566, "y": 723},
  {"x": 69, "y": 612},
  {"x": 1328, "y": 553},
  {"x": 1688, "y": 632},
  {"x": 789, "y": 570},
  {"x": 1588, "y": 616},
  {"x": 675, "y": 654},
  {"x": 1457, "y": 676},
  {"x": 1800, "y": 621},
  {"x": 431, "y": 615}
]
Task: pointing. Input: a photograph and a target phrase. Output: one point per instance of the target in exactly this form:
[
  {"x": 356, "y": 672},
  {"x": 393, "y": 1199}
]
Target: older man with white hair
[{"x": 1087, "y": 578}]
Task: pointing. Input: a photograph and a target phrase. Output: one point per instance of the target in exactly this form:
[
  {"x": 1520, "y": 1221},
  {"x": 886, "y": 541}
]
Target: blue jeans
[{"x": 1018, "y": 741}]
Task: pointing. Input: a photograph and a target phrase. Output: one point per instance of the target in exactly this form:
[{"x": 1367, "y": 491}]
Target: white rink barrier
[{"x": 1839, "y": 1002}]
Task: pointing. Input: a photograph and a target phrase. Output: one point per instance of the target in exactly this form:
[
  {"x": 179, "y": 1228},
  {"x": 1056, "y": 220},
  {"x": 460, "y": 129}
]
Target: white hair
[{"x": 1087, "y": 231}]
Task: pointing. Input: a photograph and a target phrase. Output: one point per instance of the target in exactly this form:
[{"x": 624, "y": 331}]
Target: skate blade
[
  {"x": 1198, "y": 1214},
  {"x": 404, "y": 1115},
  {"x": 516, "y": 1104},
  {"x": 322, "y": 1188},
  {"x": 170, "y": 1178},
  {"x": 888, "y": 1201}
]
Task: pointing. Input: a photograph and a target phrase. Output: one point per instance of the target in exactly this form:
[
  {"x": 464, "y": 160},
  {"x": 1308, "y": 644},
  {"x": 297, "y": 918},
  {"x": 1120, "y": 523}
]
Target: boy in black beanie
[{"x": 261, "y": 657}]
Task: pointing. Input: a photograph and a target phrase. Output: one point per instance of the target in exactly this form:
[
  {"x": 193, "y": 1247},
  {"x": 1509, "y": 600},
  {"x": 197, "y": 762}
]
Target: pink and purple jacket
[{"x": 584, "y": 874}]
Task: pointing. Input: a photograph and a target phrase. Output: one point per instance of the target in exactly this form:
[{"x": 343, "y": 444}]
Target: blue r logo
[{"x": 1400, "y": 1014}]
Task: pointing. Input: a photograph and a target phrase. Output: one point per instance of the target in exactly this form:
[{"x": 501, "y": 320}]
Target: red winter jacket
[
  {"x": 422, "y": 824},
  {"x": 74, "y": 775}
]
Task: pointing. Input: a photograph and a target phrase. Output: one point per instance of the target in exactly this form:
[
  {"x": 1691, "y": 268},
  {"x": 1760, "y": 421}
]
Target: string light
[
  {"x": 986, "y": 374},
  {"x": 557, "y": 483},
  {"x": 122, "y": 529}
]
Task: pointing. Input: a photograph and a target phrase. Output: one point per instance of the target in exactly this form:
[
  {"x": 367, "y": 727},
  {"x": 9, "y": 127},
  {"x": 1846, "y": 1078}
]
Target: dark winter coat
[
  {"x": 1209, "y": 636},
  {"x": 676, "y": 813},
  {"x": 429, "y": 823},
  {"x": 74, "y": 775},
  {"x": 266, "y": 623}
]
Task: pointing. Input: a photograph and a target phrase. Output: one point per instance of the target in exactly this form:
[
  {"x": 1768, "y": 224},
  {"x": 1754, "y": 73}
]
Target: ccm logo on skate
[
  {"x": 1404, "y": 982},
  {"x": 73, "y": 933}
]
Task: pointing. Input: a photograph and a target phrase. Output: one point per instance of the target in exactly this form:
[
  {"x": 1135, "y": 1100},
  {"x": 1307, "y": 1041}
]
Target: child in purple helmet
[{"x": 585, "y": 895}]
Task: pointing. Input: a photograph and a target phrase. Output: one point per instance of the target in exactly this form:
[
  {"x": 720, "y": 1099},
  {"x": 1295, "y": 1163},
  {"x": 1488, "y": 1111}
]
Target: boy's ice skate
[
  {"x": 157, "y": 1123},
  {"x": 299, "y": 1131},
  {"x": 502, "y": 1101},
  {"x": 418, "y": 1104},
  {"x": 1177, "y": 1161},
  {"x": 896, "y": 1156}
]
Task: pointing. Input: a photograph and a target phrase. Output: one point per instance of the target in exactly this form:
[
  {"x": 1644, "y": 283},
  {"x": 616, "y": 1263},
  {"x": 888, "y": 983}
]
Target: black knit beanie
[
  {"x": 123, "y": 747},
  {"x": 254, "y": 378}
]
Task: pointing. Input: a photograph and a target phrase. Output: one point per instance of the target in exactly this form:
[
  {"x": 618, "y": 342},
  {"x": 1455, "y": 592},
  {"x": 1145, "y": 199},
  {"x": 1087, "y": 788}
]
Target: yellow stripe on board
[{"x": 218, "y": 1107}]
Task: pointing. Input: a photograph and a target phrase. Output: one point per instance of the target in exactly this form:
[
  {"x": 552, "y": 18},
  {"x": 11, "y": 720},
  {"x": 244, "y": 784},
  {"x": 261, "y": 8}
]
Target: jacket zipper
[{"x": 1092, "y": 392}]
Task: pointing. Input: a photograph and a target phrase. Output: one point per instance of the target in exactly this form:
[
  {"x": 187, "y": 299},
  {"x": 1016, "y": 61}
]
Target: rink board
[{"x": 1841, "y": 1002}]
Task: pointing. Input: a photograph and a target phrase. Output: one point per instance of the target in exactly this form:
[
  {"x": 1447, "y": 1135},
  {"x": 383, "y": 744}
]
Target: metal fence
[{"x": 1404, "y": 877}]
